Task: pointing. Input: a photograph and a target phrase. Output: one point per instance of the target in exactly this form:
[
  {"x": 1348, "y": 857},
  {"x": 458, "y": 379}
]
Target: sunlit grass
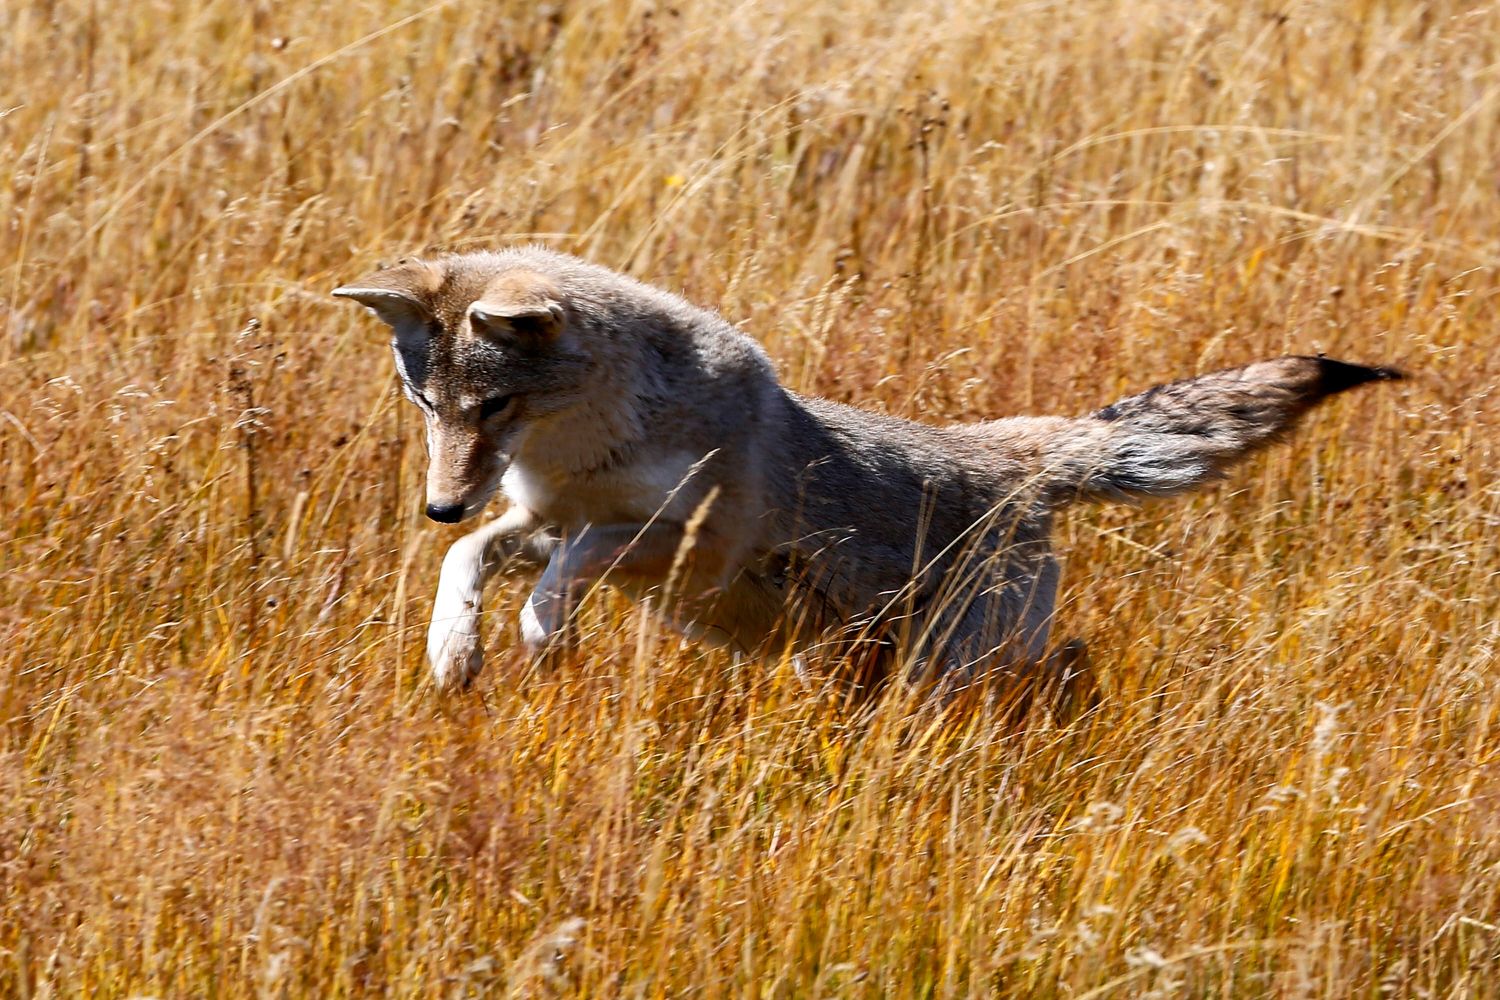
[{"x": 223, "y": 769}]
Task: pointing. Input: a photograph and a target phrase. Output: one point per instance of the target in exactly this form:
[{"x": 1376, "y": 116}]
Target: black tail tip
[{"x": 1336, "y": 376}]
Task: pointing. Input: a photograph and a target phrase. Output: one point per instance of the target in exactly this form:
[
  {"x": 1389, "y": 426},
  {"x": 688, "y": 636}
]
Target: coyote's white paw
[
  {"x": 542, "y": 620},
  {"x": 455, "y": 651}
]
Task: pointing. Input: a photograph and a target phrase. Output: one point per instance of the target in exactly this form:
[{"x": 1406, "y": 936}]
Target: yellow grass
[{"x": 224, "y": 773}]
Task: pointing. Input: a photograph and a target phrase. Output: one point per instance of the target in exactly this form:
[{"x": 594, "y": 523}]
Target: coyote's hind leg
[
  {"x": 1069, "y": 671},
  {"x": 454, "y": 647}
]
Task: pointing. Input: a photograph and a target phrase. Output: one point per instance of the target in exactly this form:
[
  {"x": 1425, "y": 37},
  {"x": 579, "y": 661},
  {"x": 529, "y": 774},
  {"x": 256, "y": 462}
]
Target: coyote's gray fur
[{"x": 646, "y": 442}]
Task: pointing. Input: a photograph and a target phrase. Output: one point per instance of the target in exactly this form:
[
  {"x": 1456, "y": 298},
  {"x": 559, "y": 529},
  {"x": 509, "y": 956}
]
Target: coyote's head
[{"x": 485, "y": 356}]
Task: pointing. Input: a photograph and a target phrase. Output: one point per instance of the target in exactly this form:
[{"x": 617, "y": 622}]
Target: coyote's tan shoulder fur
[{"x": 646, "y": 441}]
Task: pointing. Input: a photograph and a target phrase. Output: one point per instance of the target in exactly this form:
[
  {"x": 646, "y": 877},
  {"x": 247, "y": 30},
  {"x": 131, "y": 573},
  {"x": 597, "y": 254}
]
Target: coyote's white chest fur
[
  {"x": 656, "y": 450},
  {"x": 525, "y": 489},
  {"x": 637, "y": 491}
]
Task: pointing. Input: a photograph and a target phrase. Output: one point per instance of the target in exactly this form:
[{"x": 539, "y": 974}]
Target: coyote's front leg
[
  {"x": 647, "y": 553},
  {"x": 454, "y": 647}
]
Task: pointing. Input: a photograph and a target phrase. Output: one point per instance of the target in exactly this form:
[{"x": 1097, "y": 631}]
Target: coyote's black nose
[{"x": 447, "y": 513}]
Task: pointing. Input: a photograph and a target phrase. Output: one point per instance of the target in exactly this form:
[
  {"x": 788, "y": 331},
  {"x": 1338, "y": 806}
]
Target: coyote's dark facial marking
[{"x": 646, "y": 442}]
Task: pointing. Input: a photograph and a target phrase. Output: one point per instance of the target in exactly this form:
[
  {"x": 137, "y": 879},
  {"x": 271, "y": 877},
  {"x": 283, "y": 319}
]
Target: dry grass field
[{"x": 223, "y": 770}]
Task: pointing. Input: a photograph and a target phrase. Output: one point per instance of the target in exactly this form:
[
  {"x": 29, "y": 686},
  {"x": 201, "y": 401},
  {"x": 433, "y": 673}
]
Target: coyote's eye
[{"x": 494, "y": 406}]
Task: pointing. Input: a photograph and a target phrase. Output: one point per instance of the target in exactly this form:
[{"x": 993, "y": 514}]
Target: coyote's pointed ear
[
  {"x": 397, "y": 296},
  {"x": 530, "y": 322}
]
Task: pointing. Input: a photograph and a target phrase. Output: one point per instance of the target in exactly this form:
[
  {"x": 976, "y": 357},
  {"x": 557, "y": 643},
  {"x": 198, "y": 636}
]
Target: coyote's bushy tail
[{"x": 1175, "y": 437}]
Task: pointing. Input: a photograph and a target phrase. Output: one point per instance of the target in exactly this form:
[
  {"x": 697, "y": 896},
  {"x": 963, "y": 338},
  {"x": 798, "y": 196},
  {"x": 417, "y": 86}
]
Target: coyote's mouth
[{"x": 470, "y": 505}]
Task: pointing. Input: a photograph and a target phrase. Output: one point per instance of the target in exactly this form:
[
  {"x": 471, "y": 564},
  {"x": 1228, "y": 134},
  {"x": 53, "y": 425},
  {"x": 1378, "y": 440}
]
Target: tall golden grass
[{"x": 224, "y": 773}]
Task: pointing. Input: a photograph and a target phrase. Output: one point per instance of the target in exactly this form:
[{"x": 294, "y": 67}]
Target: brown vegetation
[{"x": 223, "y": 771}]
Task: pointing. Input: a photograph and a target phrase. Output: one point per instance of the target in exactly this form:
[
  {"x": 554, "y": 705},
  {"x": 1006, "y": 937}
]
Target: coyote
[{"x": 644, "y": 442}]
